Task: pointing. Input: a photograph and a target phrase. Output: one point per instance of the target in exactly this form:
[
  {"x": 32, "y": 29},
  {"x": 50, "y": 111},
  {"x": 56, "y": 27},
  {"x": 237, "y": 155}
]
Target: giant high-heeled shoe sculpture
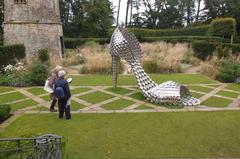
[{"x": 125, "y": 45}]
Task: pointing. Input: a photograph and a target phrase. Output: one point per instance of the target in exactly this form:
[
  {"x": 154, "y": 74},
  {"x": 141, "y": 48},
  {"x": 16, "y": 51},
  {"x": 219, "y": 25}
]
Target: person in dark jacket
[{"x": 64, "y": 102}]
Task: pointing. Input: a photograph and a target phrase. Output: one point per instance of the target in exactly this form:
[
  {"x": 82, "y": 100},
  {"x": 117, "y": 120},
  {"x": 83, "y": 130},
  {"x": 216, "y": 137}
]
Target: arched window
[{"x": 20, "y": 1}]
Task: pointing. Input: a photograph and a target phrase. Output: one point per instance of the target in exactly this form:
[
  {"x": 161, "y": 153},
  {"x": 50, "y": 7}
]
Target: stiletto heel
[
  {"x": 115, "y": 70},
  {"x": 125, "y": 45}
]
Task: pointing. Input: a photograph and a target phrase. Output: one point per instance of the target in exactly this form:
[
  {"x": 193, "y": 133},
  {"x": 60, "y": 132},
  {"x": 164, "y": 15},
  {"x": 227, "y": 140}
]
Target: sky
[{"x": 122, "y": 10}]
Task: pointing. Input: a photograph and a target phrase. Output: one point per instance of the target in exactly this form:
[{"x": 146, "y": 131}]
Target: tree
[
  {"x": 86, "y": 18},
  {"x": 1, "y": 16}
]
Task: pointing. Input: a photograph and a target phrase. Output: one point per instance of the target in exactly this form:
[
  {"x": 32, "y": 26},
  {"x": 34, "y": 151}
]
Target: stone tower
[{"x": 34, "y": 23}]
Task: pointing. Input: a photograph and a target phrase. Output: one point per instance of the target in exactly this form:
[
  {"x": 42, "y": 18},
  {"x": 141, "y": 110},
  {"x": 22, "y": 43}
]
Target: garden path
[{"x": 110, "y": 101}]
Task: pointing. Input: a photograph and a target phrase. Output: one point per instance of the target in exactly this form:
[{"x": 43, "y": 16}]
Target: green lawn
[
  {"x": 217, "y": 102},
  {"x": 200, "y": 88},
  {"x": 118, "y": 104},
  {"x": 228, "y": 94},
  {"x": 37, "y": 91},
  {"x": 46, "y": 97},
  {"x": 196, "y": 95},
  {"x": 10, "y": 97},
  {"x": 5, "y": 89},
  {"x": 235, "y": 87},
  {"x": 141, "y": 107},
  {"x": 106, "y": 80},
  {"x": 139, "y": 136},
  {"x": 119, "y": 90},
  {"x": 95, "y": 97},
  {"x": 76, "y": 106},
  {"x": 79, "y": 90},
  {"x": 23, "y": 104},
  {"x": 138, "y": 96}
]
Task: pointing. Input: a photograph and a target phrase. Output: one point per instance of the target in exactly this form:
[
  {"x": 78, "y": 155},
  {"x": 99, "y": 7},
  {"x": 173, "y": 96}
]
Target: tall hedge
[
  {"x": 11, "y": 53},
  {"x": 223, "y": 27}
]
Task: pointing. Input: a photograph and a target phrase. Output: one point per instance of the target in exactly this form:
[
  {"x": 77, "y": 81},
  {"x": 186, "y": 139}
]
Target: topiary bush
[
  {"x": 4, "y": 112},
  {"x": 229, "y": 71},
  {"x": 43, "y": 55},
  {"x": 223, "y": 27},
  {"x": 203, "y": 49}
]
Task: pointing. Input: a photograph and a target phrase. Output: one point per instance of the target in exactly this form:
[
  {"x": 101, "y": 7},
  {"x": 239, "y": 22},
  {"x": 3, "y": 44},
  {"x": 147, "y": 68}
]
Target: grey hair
[{"x": 61, "y": 73}]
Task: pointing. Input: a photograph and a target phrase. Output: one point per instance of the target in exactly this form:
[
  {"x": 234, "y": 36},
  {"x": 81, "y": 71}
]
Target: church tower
[{"x": 34, "y": 23}]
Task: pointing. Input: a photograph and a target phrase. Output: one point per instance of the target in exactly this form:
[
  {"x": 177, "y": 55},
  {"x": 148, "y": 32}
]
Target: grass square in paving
[
  {"x": 234, "y": 87},
  {"x": 41, "y": 108},
  {"x": 117, "y": 105},
  {"x": 6, "y": 89},
  {"x": 95, "y": 97},
  {"x": 228, "y": 94},
  {"x": 37, "y": 91},
  {"x": 196, "y": 95},
  {"x": 200, "y": 89},
  {"x": 118, "y": 90},
  {"x": 143, "y": 106},
  {"x": 76, "y": 106},
  {"x": 23, "y": 104},
  {"x": 46, "y": 98},
  {"x": 217, "y": 102},
  {"x": 79, "y": 90},
  {"x": 138, "y": 96},
  {"x": 10, "y": 97}
]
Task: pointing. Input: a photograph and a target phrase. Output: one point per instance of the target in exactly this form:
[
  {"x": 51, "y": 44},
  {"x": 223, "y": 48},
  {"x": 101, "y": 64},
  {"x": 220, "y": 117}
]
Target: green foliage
[
  {"x": 203, "y": 49},
  {"x": 190, "y": 31},
  {"x": 223, "y": 27},
  {"x": 43, "y": 55},
  {"x": 4, "y": 112},
  {"x": 71, "y": 43},
  {"x": 182, "y": 39},
  {"x": 11, "y": 53},
  {"x": 229, "y": 71},
  {"x": 38, "y": 73},
  {"x": 150, "y": 66},
  {"x": 235, "y": 48}
]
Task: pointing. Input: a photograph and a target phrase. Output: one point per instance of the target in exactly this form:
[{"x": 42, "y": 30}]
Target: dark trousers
[
  {"x": 63, "y": 108},
  {"x": 53, "y": 101}
]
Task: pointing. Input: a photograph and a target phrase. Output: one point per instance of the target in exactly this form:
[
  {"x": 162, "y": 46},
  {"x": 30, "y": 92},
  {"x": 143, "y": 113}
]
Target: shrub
[
  {"x": 203, "y": 49},
  {"x": 229, "y": 71},
  {"x": 43, "y": 55},
  {"x": 150, "y": 66},
  {"x": 11, "y": 53},
  {"x": 4, "y": 112},
  {"x": 223, "y": 27},
  {"x": 38, "y": 73}
]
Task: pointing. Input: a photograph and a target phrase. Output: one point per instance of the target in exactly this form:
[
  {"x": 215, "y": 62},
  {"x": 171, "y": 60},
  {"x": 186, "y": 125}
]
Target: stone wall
[
  {"x": 35, "y": 24},
  {"x": 35, "y": 37}
]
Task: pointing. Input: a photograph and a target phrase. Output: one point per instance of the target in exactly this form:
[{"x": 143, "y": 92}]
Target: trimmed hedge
[
  {"x": 185, "y": 39},
  {"x": 71, "y": 43},
  {"x": 4, "y": 112},
  {"x": 11, "y": 53},
  {"x": 203, "y": 49},
  {"x": 223, "y": 27},
  {"x": 189, "y": 31}
]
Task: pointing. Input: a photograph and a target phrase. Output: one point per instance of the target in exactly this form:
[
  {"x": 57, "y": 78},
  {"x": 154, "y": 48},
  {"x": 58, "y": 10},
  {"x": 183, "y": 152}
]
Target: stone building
[{"x": 34, "y": 23}]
